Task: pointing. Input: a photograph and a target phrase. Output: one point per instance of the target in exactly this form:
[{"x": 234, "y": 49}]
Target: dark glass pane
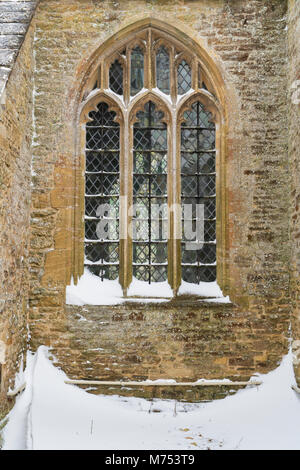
[
  {"x": 209, "y": 231},
  {"x": 116, "y": 78},
  {"x": 207, "y": 273},
  {"x": 197, "y": 116},
  {"x": 150, "y": 117},
  {"x": 137, "y": 71},
  {"x": 184, "y": 77},
  {"x": 193, "y": 163},
  {"x": 207, "y": 255},
  {"x": 102, "y": 184},
  {"x": 93, "y": 206},
  {"x": 102, "y": 161},
  {"x": 104, "y": 271},
  {"x": 99, "y": 252},
  {"x": 163, "y": 70}
]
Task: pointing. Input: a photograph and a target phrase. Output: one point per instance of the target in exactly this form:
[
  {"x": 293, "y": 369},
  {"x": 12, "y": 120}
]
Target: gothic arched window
[{"x": 150, "y": 164}]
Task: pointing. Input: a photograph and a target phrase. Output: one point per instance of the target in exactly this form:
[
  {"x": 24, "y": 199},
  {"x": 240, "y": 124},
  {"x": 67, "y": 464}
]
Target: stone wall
[
  {"x": 294, "y": 154},
  {"x": 247, "y": 40},
  {"x": 15, "y": 193}
]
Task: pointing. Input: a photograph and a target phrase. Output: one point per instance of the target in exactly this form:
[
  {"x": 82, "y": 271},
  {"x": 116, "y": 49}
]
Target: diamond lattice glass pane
[
  {"x": 111, "y": 184},
  {"x": 140, "y": 253},
  {"x": 158, "y": 273},
  {"x": 158, "y": 139},
  {"x": 137, "y": 71},
  {"x": 90, "y": 230},
  {"x": 209, "y": 207},
  {"x": 209, "y": 231},
  {"x": 207, "y": 273},
  {"x": 101, "y": 184},
  {"x": 108, "y": 252},
  {"x": 159, "y": 163},
  {"x": 207, "y": 255},
  {"x": 159, "y": 185},
  {"x": 93, "y": 162},
  {"x": 140, "y": 229},
  {"x": 188, "y": 256},
  {"x": 93, "y": 252},
  {"x": 142, "y": 139},
  {"x": 116, "y": 78},
  {"x": 158, "y": 252},
  {"x": 104, "y": 271},
  {"x": 207, "y": 185},
  {"x": 141, "y": 273},
  {"x": 190, "y": 274},
  {"x": 197, "y": 116},
  {"x": 159, "y": 208},
  {"x": 207, "y": 163},
  {"x": 189, "y": 139},
  {"x": 189, "y": 163},
  {"x": 206, "y": 139},
  {"x": 141, "y": 162},
  {"x": 189, "y": 186},
  {"x": 100, "y": 138},
  {"x": 110, "y": 139},
  {"x": 163, "y": 70},
  {"x": 97, "y": 207},
  {"x": 184, "y": 77},
  {"x": 140, "y": 185},
  {"x": 141, "y": 206},
  {"x": 159, "y": 230},
  {"x": 110, "y": 162},
  {"x": 193, "y": 163}
]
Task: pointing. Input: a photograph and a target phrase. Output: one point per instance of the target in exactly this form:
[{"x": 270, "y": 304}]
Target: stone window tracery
[{"x": 150, "y": 151}]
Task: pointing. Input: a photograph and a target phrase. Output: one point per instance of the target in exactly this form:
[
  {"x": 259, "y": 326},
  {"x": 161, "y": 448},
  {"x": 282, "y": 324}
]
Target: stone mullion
[
  {"x": 172, "y": 74},
  {"x": 125, "y": 201}
]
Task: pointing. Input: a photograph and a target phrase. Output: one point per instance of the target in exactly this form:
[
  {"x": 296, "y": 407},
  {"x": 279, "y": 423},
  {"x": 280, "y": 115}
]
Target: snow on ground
[
  {"x": 90, "y": 290},
  {"x": 53, "y": 415}
]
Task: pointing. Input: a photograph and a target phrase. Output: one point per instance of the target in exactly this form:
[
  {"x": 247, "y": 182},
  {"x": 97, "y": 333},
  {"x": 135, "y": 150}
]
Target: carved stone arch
[
  {"x": 159, "y": 101},
  {"x": 192, "y": 50},
  {"x": 90, "y": 104},
  {"x": 207, "y": 58}
]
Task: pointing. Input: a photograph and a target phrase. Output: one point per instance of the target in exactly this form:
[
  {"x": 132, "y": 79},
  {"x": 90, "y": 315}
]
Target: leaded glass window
[
  {"x": 102, "y": 188},
  {"x": 184, "y": 77},
  {"x": 198, "y": 189},
  {"x": 150, "y": 195},
  {"x": 163, "y": 70},
  {"x": 116, "y": 78},
  {"x": 137, "y": 71},
  {"x": 155, "y": 146}
]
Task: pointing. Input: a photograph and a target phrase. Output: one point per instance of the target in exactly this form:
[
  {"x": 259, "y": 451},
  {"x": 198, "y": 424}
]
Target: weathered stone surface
[
  {"x": 294, "y": 157},
  {"x": 15, "y": 177}
]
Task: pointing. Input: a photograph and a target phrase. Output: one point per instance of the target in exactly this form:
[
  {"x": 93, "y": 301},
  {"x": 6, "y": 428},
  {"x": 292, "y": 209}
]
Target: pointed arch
[{"x": 207, "y": 85}]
